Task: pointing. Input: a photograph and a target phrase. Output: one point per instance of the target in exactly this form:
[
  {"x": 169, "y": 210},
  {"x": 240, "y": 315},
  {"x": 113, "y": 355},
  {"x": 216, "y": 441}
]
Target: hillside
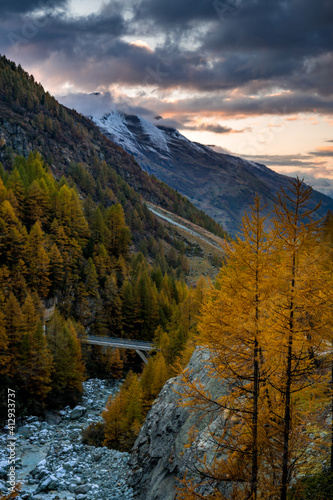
[{"x": 221, "y": 185}]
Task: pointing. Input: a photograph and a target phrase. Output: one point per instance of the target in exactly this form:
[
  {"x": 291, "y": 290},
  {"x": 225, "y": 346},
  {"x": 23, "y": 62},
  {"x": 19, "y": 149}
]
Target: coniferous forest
[{"x": 73, "y": 256}]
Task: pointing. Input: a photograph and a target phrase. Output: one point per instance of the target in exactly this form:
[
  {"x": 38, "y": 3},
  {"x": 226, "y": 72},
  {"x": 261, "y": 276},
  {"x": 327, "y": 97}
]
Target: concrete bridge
[{"x": 139, "y": 346}]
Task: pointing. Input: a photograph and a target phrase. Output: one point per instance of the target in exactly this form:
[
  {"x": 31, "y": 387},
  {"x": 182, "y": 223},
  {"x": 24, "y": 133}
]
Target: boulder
[
  {"x": 48, "y": 484},
  {"x": 77, "y": 412}
]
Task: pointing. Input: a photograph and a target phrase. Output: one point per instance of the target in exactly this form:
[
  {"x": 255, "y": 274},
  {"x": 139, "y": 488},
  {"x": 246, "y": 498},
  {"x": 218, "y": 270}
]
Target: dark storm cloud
[
  {"x": 175, "y": 12},
  {"x": 259, "y": 47},
  {"x": 24, "y": 6},
  {"x": 258, "y": 42},
  {"x": 209, "y": 127},
  {"x": 217, "y": 129},
  {"x": 283, "y": 104}
]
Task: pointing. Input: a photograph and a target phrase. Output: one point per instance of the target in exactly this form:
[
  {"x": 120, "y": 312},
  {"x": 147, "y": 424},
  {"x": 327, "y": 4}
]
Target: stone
[
  {"x": 44, "y": 485},
  {"x": 83, "y": 488},
  {"x": 63, "y": 465},
  {"x": 77, "y": 412},
  {"x": 31, "y": 419},
  {"x": 53, "y": 417},
  {"x": 3, "y": 486},
  {"x": 41, "y": 473}
]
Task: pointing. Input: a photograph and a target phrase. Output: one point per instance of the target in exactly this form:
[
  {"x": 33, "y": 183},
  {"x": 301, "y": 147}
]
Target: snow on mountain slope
[
  {"x": 114, "y": 123},
  {"x": 220, "y": 184}
]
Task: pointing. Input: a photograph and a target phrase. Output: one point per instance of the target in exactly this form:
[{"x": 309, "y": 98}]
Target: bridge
[{"x": 139, "y": 346}]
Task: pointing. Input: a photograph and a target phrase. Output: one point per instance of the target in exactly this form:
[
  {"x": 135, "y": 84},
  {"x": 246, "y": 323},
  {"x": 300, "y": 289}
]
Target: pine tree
[
  {"x": 232, "y": 326},
  {"x": 16, "y": 187},
  {"x": 36, "y": 364},
  {"x": 37, "y": 205},
  {"x": 120, "y": 236},
  {"x": 14, "y": 330}
]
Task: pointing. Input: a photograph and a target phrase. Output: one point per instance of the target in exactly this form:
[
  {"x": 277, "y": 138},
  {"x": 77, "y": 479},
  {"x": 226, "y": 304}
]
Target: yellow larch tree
[
  {"x": 300, "y": 321},
  {"x": 267, "y": 326},
  {"x": 232, "y": 326}
]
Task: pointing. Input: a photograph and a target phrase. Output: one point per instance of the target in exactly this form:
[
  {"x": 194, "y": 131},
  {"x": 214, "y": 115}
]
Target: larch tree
[
  {"x": 232, "y": 325},
  {"x": 299, "y": 318}
]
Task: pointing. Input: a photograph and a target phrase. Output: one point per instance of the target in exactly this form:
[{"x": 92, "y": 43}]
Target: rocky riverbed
[{"x": 52, "y": 463}]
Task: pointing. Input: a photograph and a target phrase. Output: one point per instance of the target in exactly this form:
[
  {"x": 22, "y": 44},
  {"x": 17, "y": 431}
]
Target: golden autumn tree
[
  {"x": 64, "y": 345},
  {"x": 232, "y": 326},
  {"x": 266, "y": 325},
  {"x": 124, "y": 415},
  {"x": 35, "y": 358},
  {"x": 300, "y": 320}
]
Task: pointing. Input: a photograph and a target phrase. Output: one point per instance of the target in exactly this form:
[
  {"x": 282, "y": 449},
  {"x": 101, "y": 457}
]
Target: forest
[
  {"x": 32, "y": 119},
  {"x": 63, "y": 253}
]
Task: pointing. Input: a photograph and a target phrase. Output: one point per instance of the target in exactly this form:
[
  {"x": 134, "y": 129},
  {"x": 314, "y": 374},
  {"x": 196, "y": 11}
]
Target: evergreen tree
[{"x": 68, "y": 373}]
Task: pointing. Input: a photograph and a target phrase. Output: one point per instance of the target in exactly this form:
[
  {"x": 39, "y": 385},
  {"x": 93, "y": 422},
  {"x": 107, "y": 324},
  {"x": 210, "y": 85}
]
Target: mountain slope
[{"x": 221, "y": 185}]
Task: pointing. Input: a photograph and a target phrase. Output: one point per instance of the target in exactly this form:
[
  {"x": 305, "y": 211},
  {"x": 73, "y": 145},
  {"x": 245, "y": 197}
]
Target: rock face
[{"x": 159, "y": 456}]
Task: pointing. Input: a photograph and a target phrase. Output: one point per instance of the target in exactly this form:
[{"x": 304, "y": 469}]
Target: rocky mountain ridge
[{"x": 220, "y": 184}]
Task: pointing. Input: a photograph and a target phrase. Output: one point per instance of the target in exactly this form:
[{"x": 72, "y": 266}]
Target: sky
[{"x": 254, "y": 77}]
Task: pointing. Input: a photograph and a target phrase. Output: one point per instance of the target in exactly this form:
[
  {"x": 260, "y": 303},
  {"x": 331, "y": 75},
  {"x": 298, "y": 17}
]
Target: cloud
[
  {"x": 89, "y": 104},
  {"x": 215, "y": 128},
  {"x": 323, "y": 152},
  {"x": 303, "y": 162},
  {"x": 261, "y": 58},
  {"x": 24, "y": 6}
]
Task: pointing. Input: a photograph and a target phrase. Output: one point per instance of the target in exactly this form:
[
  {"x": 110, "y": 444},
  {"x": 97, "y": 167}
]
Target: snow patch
[
  {"x": 157, "y": 136},
  {"x": 114, "y": 124}
]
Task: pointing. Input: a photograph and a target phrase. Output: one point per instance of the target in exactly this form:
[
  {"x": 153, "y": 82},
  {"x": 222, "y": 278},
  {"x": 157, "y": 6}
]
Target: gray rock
[
  {"x": 45, "y": 485},
  {"x": 3, "y": 473},
  {"x": 41, "y": 473},
  {"x": 53, "y": 417},
  {"x": 3, "y": 486},
  {"x": 83, "y": 488},
  {"x": 78, "y": 412},
  {"x": 31, "y": 419},
  {"x": 159, "y": 455}
]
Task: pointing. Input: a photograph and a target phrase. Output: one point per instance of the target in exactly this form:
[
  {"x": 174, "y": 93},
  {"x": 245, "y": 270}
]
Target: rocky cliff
[{"x": 159, "y": 455}]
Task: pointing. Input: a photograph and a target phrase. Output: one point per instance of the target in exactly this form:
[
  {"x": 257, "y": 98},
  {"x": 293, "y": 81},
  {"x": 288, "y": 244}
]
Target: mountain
[{"x": 222, "y": 185}]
